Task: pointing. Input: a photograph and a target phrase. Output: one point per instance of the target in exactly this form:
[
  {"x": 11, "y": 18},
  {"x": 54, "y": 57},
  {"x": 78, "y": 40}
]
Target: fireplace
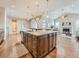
[{"x": 66, "y": 31}]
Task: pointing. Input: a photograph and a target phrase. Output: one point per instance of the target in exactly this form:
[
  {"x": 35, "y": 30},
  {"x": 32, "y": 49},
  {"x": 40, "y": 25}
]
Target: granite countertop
[
  {"x": 77, "y": 35},
  {"x": 41, "y": 32},
  {"x": 68, "y": 36}
]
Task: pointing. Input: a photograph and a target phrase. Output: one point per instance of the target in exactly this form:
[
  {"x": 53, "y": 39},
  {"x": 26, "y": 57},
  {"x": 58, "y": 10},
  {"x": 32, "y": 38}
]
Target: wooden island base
[{"x": 39, "y": 45}]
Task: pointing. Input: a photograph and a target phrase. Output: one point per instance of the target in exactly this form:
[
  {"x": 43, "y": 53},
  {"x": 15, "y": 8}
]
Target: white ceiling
[{"x": 27, "y": 8}]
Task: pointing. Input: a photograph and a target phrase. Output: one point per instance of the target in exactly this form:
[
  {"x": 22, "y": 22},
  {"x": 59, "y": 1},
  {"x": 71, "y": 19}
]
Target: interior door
[{"x": 14, "y": 25}]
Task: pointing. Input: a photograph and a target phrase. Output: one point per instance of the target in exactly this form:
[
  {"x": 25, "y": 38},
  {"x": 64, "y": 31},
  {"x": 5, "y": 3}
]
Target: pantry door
[{"x": 14, "y": 25}]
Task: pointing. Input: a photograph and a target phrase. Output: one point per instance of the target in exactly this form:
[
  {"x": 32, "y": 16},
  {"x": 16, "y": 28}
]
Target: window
[{"x": 77, "y": 25}]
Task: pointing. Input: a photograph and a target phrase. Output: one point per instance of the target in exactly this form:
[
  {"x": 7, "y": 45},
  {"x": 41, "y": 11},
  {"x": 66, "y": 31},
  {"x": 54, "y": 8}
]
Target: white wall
[
  {"x": 2, "y": 17},
  {"x": 22, "y": 25},
  {"x": 3, "y": 20},
  {"x": 70, "y": 18}
]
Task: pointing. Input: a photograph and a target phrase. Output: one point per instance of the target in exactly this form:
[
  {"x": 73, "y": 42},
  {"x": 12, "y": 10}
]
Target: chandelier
[{"x": 43, "y": 14}]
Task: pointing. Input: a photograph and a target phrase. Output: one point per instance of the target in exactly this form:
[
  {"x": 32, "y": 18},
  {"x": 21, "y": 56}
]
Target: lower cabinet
[
  {"x": 34, "y": 46},
  {"x": 39, "y": 46},
  {"x": 43, "y": 45},
  {"x": 51, "y": 41}
]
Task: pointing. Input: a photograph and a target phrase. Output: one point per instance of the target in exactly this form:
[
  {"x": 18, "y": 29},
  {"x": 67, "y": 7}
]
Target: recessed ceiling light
[
  {"x": 47, "y": 16},
  {"x": 12, "y": 6},
  {"x": 37, "y": 3},
  {"x": 62, "y": 17},
  {"x": 72, "y": 5}
]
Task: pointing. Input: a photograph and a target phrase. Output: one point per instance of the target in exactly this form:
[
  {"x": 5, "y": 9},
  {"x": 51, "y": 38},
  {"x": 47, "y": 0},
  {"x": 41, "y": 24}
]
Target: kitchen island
[{"x": 40, "y": 43}]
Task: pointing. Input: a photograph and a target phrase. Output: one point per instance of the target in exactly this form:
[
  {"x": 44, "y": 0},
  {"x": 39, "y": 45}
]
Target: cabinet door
[
  {"x": 43, "y": 45},
  {"x": 24, "y": 38},
  {"x": 30, "y": 42},
  {"x": 34, "y": 48},
  {"x": 26, "y": 41},
  {"x": 55, "y": 38},
  {"x": 51, "y": 41},
  {"x": 40, "y": 46}
]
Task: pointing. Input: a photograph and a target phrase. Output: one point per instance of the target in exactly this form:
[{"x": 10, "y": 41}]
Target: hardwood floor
[
  {"x": 66, "y": 48},
  {"x": 52, "y": 54},
  {"x": 28, "y": 55}
]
